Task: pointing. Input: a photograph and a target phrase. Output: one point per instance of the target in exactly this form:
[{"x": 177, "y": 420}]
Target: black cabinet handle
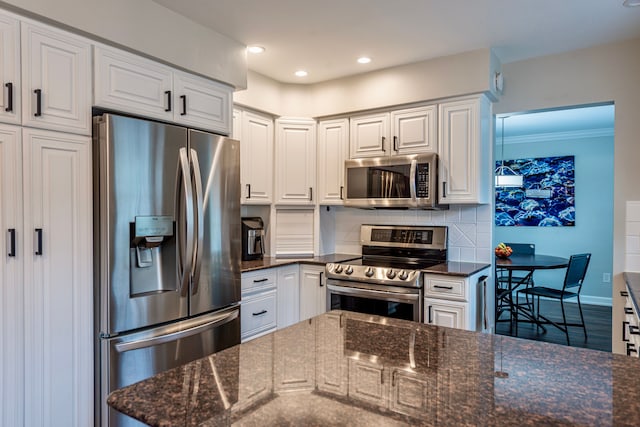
[
  {"x": 311, "y": 194},
  {"x": 11, "y": 250},
  {"x": 624, "y": 293},
  {"x": 429, "y": 317},
  {"x": 634, "y": 330},
  {"x": 443, "y": 287},
  {"x": 395, "y": 141},
  {"x": 321, "y": 284},
  {"x": 624, "y": 331},
  {"x": 260, "y": 313},
  {"x": 38, "y": 93},
  {"x": 248, "y": 191},
  {"x": 38, "y": 241},
  {"x": 183, "y": 98},
  {"x": 631, "y": 348},
  {"x": 168, "y": 93},
  {"x": 9, "y": 87},
  {"x": 444, "y": 189},
  {"x": 628, "y": 310},
  {"x": 341, "y": 189},
  {"x": 260, "y": 280},
  {"x": 383, "y": 140}
]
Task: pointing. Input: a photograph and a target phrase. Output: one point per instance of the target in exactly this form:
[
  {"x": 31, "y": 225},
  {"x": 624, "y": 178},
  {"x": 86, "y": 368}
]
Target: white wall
[
  {"x": 146, "y": 27},
  {"x": 600, "y": 74}
]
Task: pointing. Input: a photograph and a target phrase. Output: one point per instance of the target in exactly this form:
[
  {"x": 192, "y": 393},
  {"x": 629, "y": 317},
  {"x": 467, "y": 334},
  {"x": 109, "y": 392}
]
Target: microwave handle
[{"x": 412, "y": 181}]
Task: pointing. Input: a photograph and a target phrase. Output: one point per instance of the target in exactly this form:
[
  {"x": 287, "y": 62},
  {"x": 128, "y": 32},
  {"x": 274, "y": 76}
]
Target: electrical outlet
[{"x": 606, "y": 277}]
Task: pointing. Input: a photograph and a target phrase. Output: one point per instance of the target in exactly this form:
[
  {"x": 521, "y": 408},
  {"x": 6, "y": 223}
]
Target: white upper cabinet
[
  {"x": 9, "y": 69},
  {"x": 255, "y": 133},
  {"x": 295, "y": 161},
  {"x": 414, "y": 130},
  {"x": 369, "y": 136},
  {"x": 132, "y": 84},
  {"x": 202, "y": 103},
  {"x": 464, "y": 134},
  {"x": 56, "y": 79},
  {"x": 128, "y": 82},
  {"x": 333, "y": 150}
]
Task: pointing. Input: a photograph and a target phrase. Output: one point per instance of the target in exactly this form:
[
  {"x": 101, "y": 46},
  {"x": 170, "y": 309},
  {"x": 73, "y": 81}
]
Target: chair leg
[
  {"x": 584, "y": 326},
  {"x": 564, "y": 322}
]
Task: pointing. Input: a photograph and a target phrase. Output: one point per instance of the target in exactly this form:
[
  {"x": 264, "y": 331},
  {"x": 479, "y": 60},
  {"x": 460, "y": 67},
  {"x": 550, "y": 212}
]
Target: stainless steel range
[{"x": 387, "y": 280}]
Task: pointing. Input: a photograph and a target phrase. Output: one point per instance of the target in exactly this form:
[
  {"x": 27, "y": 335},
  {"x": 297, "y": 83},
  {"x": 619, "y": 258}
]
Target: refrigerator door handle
[
  {"x": 199, "y": 223},
  {"x": 216, "y": 321},
  {"x": 186, "y": 224}
]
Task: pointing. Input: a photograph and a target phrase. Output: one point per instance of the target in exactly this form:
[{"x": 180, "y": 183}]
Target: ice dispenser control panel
[{"x": 149, "y": 232}]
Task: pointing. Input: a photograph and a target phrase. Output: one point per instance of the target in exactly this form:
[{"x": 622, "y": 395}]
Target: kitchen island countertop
[{"x": 344, "y": 368}]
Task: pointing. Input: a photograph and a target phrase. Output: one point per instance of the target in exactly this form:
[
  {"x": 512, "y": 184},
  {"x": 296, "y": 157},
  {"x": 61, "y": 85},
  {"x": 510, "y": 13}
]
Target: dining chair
[
  {"x": 505, "y": 299},
  {"x": 571, "y": 287}
]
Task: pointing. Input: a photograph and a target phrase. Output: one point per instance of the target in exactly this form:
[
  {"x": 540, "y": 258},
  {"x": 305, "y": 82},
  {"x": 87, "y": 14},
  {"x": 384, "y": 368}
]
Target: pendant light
[{"x": 504, "y": 175}]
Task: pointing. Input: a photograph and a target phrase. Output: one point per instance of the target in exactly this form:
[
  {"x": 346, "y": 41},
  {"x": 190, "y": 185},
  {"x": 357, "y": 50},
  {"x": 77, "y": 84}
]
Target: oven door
[{"x": 380, "y": 300}]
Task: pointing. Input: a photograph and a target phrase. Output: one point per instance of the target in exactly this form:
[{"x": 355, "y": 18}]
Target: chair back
[
  {"x": 576, "y": 270},
  {"x": 522, "y": 248}
]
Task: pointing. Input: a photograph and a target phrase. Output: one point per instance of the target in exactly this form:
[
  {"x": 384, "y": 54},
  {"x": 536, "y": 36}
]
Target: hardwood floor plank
[{"x": 597, "y": 319}]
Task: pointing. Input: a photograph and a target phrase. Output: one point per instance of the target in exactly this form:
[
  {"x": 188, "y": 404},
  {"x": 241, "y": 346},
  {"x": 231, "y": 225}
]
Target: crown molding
[{"x": 558, "y": 136}]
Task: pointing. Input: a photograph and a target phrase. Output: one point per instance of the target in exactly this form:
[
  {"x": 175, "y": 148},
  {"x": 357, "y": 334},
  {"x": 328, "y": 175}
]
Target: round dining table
[{"x": 522, "y": 262}]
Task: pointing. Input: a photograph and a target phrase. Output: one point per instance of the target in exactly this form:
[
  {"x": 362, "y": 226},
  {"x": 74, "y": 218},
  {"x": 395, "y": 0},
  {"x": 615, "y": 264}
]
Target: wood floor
[{"x": 597, "y": 318}]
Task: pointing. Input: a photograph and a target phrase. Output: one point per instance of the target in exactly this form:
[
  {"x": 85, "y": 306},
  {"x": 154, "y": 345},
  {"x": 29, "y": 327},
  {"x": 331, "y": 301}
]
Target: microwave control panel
[{"x": 422, "y": 180}]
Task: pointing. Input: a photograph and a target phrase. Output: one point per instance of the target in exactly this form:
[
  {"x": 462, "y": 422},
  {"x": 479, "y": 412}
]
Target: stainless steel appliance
[
  {"x": 252, "y": 238},
  {"x": 409, "y": 181},
  {"x": 387, "y": 280},
  {"x": 167, "y": 250}
]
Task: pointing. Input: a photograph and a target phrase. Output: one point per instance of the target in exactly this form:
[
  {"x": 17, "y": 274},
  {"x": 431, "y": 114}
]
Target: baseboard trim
[{"x": 586, "y": 299}]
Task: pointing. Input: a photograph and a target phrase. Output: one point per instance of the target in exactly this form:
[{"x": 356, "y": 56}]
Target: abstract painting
[{"x": 546, "y": 198}]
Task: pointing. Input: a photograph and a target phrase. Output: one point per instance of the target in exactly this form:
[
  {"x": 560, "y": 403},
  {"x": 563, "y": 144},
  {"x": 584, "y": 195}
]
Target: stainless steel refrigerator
[{"x": 167, "y": 250}]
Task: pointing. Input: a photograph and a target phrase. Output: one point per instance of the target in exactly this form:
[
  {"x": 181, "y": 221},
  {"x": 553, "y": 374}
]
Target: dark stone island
[{"x": 344, "y": 368}]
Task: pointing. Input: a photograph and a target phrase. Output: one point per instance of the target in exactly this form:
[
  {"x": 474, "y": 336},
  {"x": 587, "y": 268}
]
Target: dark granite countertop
[
  {"x": 270, "y": 262},
  {"x": 633, "y": 283},
  {"x": 345, "y": 368},
  {"x": 454, "y": 268}
]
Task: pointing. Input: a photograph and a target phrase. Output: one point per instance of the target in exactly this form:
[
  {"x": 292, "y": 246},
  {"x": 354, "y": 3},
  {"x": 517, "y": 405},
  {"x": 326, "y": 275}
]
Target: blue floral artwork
[{"x": 547, "y": 197}]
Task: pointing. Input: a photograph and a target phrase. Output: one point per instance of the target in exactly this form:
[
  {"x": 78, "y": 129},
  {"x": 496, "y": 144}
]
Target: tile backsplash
[
  {"x": 470, "y": 228},
  {"x": 632, "y": 237}
]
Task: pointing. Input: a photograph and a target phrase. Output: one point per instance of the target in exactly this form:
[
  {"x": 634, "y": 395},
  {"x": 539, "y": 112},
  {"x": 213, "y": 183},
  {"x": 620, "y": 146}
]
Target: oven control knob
[
  {"x": 349, "y": 270},
  {"x": 338, "y": 269},
  {"x": 391, "y": 274},
  {"x": 368, "y": 272},
  {"x": 403, "y": 275}
]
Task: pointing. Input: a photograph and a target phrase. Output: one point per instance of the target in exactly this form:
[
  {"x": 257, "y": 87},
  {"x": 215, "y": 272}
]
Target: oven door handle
[{"x": 370, "y": 292}]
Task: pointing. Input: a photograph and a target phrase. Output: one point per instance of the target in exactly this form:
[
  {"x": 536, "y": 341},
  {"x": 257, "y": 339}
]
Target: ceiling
[{"x": 325, "y": 37}]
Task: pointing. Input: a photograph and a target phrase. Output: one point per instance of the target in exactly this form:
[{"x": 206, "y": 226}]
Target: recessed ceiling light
[
  {"x": 255, "y": 49},
  {"x": 364, "y": 60},
  {"x": 301, "y": 73},
  {"x": 631, "y": 3}
]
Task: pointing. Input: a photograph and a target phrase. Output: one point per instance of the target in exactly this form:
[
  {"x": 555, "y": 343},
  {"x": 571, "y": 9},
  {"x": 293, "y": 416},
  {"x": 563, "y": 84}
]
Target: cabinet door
[
  {"x": 256, "y": 158},
  {"x": 13, "y": 255},
  {"x": 9, "y": 69},
  {"x": 56, "y": 80},
  {"x": 414, "y": 130},
  {"x": 295, "y": 161},
  {"x": 202, "y": 103},
  {"x": 413, "y": 394},
  {"x": 288, "y": 306},
  {"x": 294, "y": 366},
  {"x": 369, "y": 136},
  {"x": 313, "y": 297},
  {"x": 255, "y": 376},
  {"x": 332, "y": 367},
  {"x": 130, "y": 83},
  {"x": 368, "y": 382},
  {"x": 446, "y": 313},
  {"x": 333, "y": 148},
  {"x": 464, "y": 159},
  {"x": 58, "y": 289}
]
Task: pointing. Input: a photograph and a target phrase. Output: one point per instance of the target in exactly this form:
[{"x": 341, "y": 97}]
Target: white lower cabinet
[
  {"x": 331, "y": 366},
  {"x": 369, "y": 382},
  {"x": 258, "y": 306},
  {"x": 294, "y": 367},
  {"x": 288, "y": 295},
  {"x": 631, "y": 327},
  {"x": 458, "y": 302},
  {"x": 313, "y": 292},
  {"x": 255, "y": 376},
  {"x": 47, "y": 292}
]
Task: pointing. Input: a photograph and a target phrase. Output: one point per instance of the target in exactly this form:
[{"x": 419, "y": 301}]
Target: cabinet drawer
[
  {"x": 446, "y": 288},
  {"x": 258, "y": 314},
  {"x": 258, "y": 280}
]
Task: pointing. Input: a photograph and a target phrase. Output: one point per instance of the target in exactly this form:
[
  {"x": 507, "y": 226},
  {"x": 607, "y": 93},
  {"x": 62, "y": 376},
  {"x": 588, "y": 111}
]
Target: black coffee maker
[{"x": 252, "y": 238}]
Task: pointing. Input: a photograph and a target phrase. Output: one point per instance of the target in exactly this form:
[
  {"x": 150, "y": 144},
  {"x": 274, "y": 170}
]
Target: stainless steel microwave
[{"x": 401, "y": 182}]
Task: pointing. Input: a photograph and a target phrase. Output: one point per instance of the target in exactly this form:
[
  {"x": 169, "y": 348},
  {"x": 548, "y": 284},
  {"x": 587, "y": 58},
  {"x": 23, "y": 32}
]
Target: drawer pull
[
  {"x": 260, "y": 280},
  {"x": 624, "y": 331},
  {"x": 624, "y": 293},
  {"x": 443, "y": 287},
  {"x": 634, "y": 330},
  {"x": 628, "y": 310},
  {"x": 631, "y": 348},
  {"x": 260, "y": 313}
]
